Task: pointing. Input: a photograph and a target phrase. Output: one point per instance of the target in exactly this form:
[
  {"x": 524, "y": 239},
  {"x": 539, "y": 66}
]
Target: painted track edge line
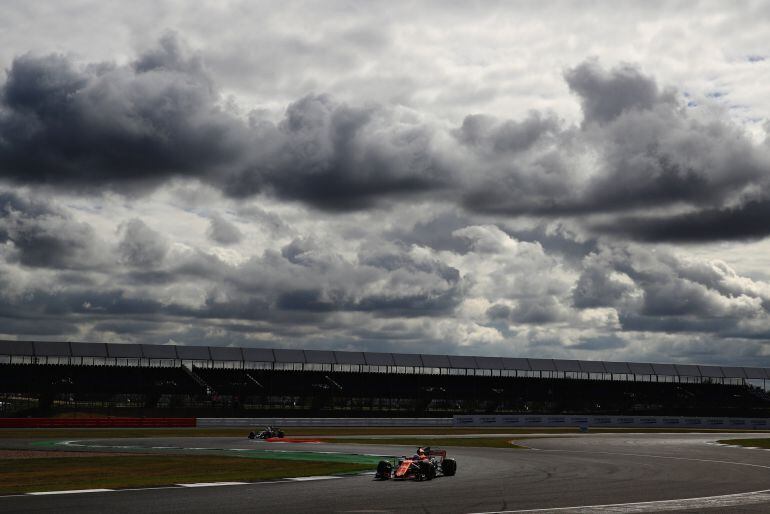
[
  {"x": 191, "y": 485},
  {"x": 310, "y": 479},
  {"x": 72, "y": 491},
  {"x": 725, "y": 500},
  {"x": 212, "y": 484}
]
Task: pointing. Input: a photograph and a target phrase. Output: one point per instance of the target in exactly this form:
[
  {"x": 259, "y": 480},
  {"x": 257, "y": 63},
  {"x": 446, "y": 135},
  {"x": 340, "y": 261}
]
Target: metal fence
[
  {"x": 556, "y": 421},
  {"x": 323, "y": 422}
]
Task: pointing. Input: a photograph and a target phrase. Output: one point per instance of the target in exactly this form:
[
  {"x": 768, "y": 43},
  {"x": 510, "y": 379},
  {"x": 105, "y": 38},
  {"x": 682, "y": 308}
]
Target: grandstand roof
[{"x": 295, "y": 356}]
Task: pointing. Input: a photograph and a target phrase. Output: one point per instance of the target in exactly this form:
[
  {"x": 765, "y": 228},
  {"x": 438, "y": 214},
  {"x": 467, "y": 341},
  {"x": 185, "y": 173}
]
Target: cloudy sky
[{"x": 545, "y": 179}]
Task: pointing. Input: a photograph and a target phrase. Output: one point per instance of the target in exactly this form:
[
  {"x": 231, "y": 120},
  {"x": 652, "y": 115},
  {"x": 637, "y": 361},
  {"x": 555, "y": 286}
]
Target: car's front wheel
[
  {"x": 427, "y": 472},
  {"x": 384, "y": 469},
  {"x": 449, "y": 467}
]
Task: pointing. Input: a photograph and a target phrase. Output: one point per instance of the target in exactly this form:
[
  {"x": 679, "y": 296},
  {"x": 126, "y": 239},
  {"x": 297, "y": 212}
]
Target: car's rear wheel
[{"x": 449, "y": 467}]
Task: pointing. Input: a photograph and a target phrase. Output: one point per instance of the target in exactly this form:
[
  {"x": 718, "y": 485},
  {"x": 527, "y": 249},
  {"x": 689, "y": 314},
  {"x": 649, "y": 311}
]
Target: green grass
[
  {"x": 440, "y": 442},
  {"x": 257, "y": 453},
  {"x": 757, "y": 443},
  {"x": 52, "y": 474}
]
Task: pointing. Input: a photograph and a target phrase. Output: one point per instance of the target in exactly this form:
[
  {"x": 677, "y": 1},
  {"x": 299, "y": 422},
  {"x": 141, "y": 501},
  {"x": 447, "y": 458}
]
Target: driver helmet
[{"x": 415, "y": 457}]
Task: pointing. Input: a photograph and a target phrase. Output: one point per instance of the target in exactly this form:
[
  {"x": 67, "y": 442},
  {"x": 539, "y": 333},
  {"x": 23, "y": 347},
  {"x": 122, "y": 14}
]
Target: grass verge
[
  {"x": 756, "y": 443},
  {"x": 52, "y": 474}
]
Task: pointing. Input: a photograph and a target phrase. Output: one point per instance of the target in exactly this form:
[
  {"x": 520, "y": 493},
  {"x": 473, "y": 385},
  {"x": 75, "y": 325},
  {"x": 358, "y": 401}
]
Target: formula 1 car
[
  {"x": 267, "y": 433},
  {"x": 426, "y": 464}
]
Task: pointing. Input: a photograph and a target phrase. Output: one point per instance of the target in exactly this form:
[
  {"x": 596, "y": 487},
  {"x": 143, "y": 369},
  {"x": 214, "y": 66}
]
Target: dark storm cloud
[
  {"x": 306, "y": 285},
  {"x": 555, "y": 242},
  {"x": 505, "y": 137},
  {"x": 338, "y": 157},
  {"x": 305, "y": 277},
  {"x": 646, "y": 151},
  {"x": 128, "y": 127},
  {"x": 544, "y": 309},
  {"x": 598, "y": 286},
  {"x": 416, "y": 305},
  {"x": 656, "y": 291},
  {"x": 395, "y": 261},
  {"x": 434, "y": 304},
  {"x": 744, "y": 222},
  {"x": 610, "y": 342},
  {"x": 106, "y": 125},
  {"x": 605, "y": 95},
  {"x": 536, "y": 310},
  {"x": 141, "y": 246},
  {"x": 664, "y": 159},
  {"x": 499, "y": 312},
  {"x": 37, "y": 326},
  {"x": 223, "y": 232},
  {"x": 102, "y": 125},
  {"x": 68, "y": 305},
  {"x": 298, "y": 250},
  {"x": 678, "y": 324},
  {"x": 435, "y": 232},
  {"x": 411, "y": 287},
  {"x": 46, "y": 237},
  {"x": 128, "y": 327}
]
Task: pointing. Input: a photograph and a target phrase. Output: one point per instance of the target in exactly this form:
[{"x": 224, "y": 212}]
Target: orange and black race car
[{"x": 425, "y": 464}]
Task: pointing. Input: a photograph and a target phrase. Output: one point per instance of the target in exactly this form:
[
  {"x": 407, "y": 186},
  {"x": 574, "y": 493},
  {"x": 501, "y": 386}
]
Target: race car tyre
[
  {"x": 449, "y": 467},
  {"x": 427, "y": 472},
  {"x": 384, "y": 469},
  {"x": 252, "y": 435},
  {"x": 280, "y": 434}
]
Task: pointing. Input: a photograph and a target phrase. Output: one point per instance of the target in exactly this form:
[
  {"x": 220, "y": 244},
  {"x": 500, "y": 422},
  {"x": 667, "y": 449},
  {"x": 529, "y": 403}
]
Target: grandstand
[{"x": 42, "y": 378}]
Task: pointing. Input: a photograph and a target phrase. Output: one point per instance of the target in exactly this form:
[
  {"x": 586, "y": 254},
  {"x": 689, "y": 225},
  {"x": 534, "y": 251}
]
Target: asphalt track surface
[{"x": 584, "y": 473}]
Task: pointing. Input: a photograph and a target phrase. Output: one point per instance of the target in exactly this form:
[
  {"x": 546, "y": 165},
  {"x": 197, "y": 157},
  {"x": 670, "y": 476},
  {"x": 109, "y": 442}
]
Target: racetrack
[{"x": 584, "y": 471}]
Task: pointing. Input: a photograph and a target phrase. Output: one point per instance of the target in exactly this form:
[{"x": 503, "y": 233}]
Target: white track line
[
  {"x": 179, "y": 486},
  {"x": 653, "y": 456},
  {"x": 726, "y": 500},
  {"x": 212, "y": 484},
  {"x": 74, "y": 491},
  {"x": 705, "y": 502},
  {"x": 307, "y": 479}
]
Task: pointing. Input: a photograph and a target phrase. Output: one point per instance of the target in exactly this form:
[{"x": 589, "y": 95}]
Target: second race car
[{"x": 267, "y": 433}]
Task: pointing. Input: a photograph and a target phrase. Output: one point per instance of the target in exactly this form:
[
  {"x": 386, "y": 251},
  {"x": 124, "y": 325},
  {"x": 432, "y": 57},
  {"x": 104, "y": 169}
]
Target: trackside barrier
[
  {"x": 97, "y": 422},
  {"x": 324, "y": 422},
  {"x": 611, "y": 421}
]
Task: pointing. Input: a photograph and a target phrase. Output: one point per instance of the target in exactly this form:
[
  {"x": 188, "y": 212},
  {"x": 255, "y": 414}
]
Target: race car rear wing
[{"x": 435, "y": 453}]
